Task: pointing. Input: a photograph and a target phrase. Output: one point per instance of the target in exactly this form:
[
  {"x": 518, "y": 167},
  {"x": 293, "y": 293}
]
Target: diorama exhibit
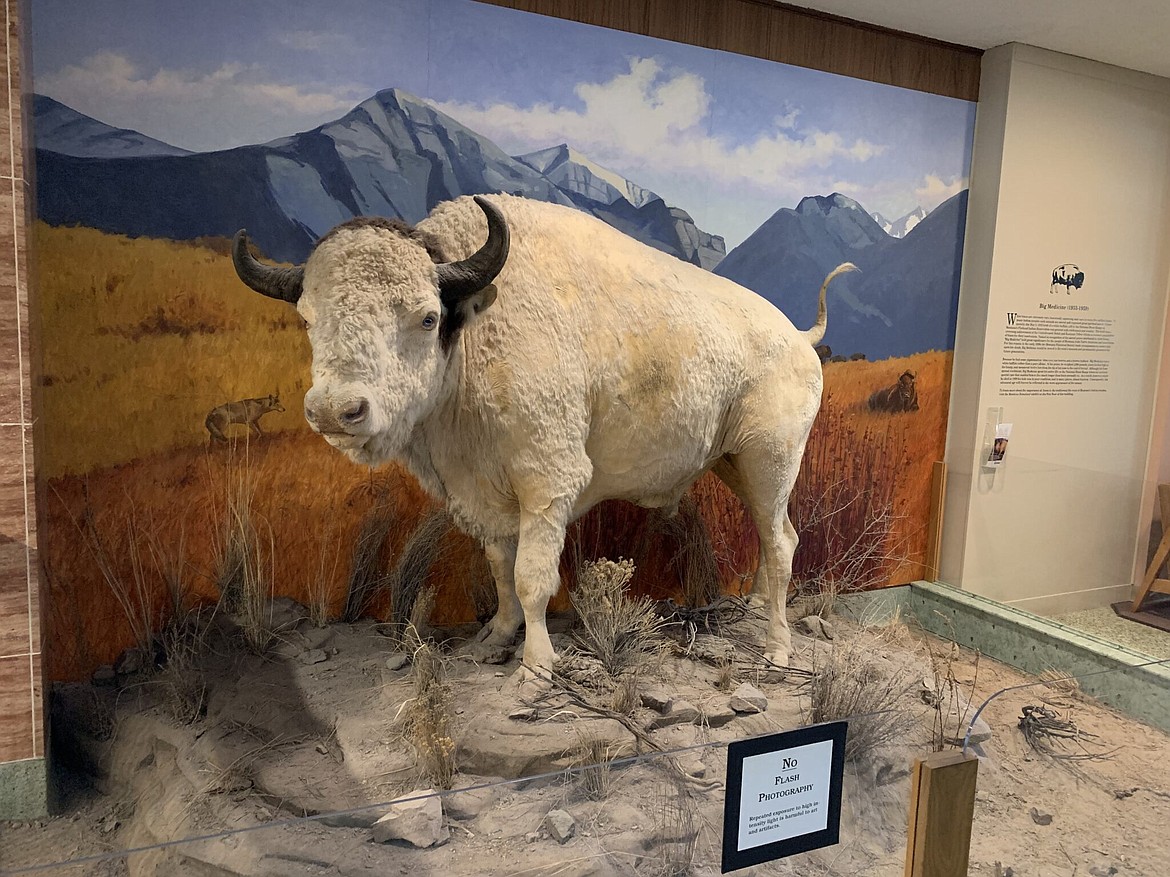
[{"x": 472, "y": 441}]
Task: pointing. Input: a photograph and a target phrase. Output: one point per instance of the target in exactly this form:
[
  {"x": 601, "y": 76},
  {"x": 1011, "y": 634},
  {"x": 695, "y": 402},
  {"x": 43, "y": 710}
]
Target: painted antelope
[{"x": 245, "y": 411}]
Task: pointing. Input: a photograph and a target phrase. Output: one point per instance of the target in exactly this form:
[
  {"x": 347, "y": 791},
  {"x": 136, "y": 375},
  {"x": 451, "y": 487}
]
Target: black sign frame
[{"x": 733, "y": 857}]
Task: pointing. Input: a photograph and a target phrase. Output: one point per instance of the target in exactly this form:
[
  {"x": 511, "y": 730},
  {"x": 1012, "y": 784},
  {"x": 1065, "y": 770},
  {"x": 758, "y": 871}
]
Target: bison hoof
[{"x": 776, "y": 659}]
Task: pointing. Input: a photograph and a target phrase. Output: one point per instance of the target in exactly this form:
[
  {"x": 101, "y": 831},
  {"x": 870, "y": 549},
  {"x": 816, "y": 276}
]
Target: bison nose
[{"x": 354, "y": 413}]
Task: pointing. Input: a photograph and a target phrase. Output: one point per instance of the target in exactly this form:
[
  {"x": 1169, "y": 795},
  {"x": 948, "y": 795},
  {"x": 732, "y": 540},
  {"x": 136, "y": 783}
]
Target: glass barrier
[{"x": 383, "y": 760}]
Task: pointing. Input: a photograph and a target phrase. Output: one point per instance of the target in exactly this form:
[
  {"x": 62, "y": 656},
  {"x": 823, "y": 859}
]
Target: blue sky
[{"x": 730, "y": 139}]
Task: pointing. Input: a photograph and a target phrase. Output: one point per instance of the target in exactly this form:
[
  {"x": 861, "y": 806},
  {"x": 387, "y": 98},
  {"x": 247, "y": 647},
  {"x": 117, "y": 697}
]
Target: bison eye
[{"x": 430, "y": 321}]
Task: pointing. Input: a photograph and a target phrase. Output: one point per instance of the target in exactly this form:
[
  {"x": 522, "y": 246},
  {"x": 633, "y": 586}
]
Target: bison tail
[{"x": 817, "y": 333}]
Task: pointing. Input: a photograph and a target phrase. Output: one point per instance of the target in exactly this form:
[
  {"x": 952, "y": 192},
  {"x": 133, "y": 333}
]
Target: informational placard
[{"x": 783, "y": 794}]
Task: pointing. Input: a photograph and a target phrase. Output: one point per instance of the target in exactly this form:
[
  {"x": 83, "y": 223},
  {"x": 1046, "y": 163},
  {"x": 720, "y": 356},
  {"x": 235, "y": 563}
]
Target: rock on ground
[
  {"x": 560, "y": 824},
  {"x": 418, "y": 822},
  {"x": 748, "y": 699}
]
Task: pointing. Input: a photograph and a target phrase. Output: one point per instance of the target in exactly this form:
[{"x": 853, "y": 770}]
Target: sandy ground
[{"x": 315, "y": 727}]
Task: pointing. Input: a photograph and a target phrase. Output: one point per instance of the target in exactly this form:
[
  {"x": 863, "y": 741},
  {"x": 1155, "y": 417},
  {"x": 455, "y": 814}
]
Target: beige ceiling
[{"x": 1128, "y": 33}]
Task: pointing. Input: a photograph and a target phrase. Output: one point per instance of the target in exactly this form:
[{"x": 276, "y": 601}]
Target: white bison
[{"x": 558, "y": 364}]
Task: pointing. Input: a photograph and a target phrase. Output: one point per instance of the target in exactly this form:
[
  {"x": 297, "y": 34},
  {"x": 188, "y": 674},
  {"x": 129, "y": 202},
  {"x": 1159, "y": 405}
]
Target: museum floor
[{"x": 1106, "y": 624}]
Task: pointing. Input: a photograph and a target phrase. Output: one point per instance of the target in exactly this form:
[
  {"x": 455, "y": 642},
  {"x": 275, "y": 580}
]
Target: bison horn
[
  {"x": 457, "y": 280},
  {"x": 282, "y": 283}
]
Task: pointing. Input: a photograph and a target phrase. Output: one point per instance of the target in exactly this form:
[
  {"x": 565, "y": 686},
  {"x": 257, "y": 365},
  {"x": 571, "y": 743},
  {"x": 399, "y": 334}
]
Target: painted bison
[
  {"x": 902, "y": 396},
  {"x": 525, "y": 361}
]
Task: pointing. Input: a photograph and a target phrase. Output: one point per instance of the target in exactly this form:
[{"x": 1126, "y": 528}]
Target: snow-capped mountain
[
  {"x": 899, "y": 228},
  {"x": 573, "y": 172}
]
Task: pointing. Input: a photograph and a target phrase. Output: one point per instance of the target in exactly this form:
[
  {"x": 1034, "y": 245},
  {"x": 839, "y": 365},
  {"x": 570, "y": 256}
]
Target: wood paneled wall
[{"x": 784, "y": 33}]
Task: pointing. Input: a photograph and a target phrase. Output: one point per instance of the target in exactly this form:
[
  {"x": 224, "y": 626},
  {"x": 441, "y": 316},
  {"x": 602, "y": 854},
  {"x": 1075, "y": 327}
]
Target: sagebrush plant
[
  {"x": 851, "y": 683},
  {"x": 620, "y": 631},
  {"x": 428, "y": 723}
]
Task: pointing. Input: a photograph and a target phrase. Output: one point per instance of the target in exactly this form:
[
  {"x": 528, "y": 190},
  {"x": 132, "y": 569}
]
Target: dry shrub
[
  {"x": 620, "y": 631},
  {"x": 843, "y": 509},
  {"x": 428, "y": 717},
  {"x": 727, "y": 677},
  {"x": 852, "y": 684}
]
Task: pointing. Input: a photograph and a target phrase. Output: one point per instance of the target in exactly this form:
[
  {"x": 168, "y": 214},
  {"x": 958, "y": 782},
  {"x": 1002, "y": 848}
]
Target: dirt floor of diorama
[{"x": 331, "y": 719}]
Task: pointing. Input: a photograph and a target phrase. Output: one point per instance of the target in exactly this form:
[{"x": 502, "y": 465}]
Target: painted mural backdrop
[{"x": 172, "y": 395}]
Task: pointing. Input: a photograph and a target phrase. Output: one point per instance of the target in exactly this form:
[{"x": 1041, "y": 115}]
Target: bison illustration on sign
[
  {"x": 526, "y": 361},
  {"x": 1069, "y": 276}
]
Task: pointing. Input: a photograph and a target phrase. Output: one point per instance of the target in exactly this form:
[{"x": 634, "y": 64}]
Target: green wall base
[
  {"x": 24, "y": 789},
  {"x": 1106, "y": 671}
]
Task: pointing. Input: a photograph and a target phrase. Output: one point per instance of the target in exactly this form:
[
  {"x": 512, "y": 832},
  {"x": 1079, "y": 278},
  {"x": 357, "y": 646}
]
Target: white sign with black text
[{"x": 783, "y": 794}]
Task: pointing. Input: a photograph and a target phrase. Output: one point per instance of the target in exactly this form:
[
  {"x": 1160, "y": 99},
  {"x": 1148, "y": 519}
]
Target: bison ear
[{"x": 462, "y": 313}]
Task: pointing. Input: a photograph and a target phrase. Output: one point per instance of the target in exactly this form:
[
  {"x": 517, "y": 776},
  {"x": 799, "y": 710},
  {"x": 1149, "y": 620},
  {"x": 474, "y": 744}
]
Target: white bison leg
[
  {"x": 503, "y": 626},
  {"x": 763, "y": 478},
  {"x": 538, "y": 555}
]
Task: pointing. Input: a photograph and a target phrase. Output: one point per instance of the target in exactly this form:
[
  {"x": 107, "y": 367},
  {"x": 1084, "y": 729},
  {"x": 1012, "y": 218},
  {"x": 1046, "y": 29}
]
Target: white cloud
[
  {"x": 648, "y": 117},
  {"x": 231, "y": 105},
  {"x": 934, "y": 190}
]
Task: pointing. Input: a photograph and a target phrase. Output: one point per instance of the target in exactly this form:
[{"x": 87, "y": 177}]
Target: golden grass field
[{"x": 142, "y": 338}]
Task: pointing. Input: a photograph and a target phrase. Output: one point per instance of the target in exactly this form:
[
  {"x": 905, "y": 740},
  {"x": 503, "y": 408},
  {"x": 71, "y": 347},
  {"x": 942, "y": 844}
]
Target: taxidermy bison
[
  {"x": 902, "y": 396},
  {"x": 525, "y": 361}
]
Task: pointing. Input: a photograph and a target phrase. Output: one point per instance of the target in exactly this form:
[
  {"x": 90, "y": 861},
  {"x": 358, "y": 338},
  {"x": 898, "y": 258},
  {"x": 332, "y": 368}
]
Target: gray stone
[
  {"x": 656, "y": 699},
  {"x": 284, "y": 613},
  {"x": 418, "y": 822},
  {"x": 1040, "y": 817},
  {"x": 814, "y": 626},
  {"x": 681, "y": 713},
  {"x": 397, "y": 661},
  {"x": 313, "y": 656},
  {"x": 131, "y": 661},
  {"x": 524, "y": 714},
  {"x": 317, "y": 637},
  {"x": 1102, "y": 870},
  {"x": 469, "y": 803},
  {"x": 718, "y": 712},
  {"x": 748, "y": 699},
  {"x": 560, "y": 824}
]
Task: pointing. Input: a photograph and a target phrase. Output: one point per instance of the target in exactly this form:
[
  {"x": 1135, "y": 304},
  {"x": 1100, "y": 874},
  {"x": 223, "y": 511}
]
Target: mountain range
[
  {"x": 902, "y": 302},
  {"x": 900, "y": 227},
  {"x": 395, "y": 155}
]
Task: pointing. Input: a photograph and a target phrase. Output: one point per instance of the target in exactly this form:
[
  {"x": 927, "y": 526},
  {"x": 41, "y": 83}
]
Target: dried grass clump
[
  {"x": 428, "y": 724},
  {"x": 694, "y": 559},
  {"x": 244, "y": 571},
  {"x": 624, "y": 698},
  {"x": 623, "y": 633},
  {"x": 590, "y": 768},
  {"x": 852, "y": 685},
  {"x": 185, "y": 643},
  {"x": 368, "y": 577},
  {"x": 676, "y": 828}
]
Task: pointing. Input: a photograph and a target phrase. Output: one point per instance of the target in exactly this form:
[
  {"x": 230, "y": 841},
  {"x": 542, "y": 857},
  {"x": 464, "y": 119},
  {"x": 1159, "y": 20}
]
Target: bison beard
[{"x": 603, "y": 369}]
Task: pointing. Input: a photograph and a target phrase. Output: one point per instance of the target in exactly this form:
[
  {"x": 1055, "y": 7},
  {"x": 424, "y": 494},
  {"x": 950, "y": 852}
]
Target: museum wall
[{"x": 1062, "y": 308}]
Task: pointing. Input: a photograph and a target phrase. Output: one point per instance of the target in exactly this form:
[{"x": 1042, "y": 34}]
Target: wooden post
[
  {"x": 942, "y": 805},
  {"x": 938, "y": 491}
]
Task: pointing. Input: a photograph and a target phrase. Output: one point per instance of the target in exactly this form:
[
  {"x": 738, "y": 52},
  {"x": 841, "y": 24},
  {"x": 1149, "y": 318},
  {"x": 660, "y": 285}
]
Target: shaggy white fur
[{"x": 602, "y": 369}]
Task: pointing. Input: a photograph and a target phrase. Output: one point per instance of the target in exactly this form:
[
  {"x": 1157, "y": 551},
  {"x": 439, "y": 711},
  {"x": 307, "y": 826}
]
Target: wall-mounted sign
[{"x": 783, "y": 794}]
